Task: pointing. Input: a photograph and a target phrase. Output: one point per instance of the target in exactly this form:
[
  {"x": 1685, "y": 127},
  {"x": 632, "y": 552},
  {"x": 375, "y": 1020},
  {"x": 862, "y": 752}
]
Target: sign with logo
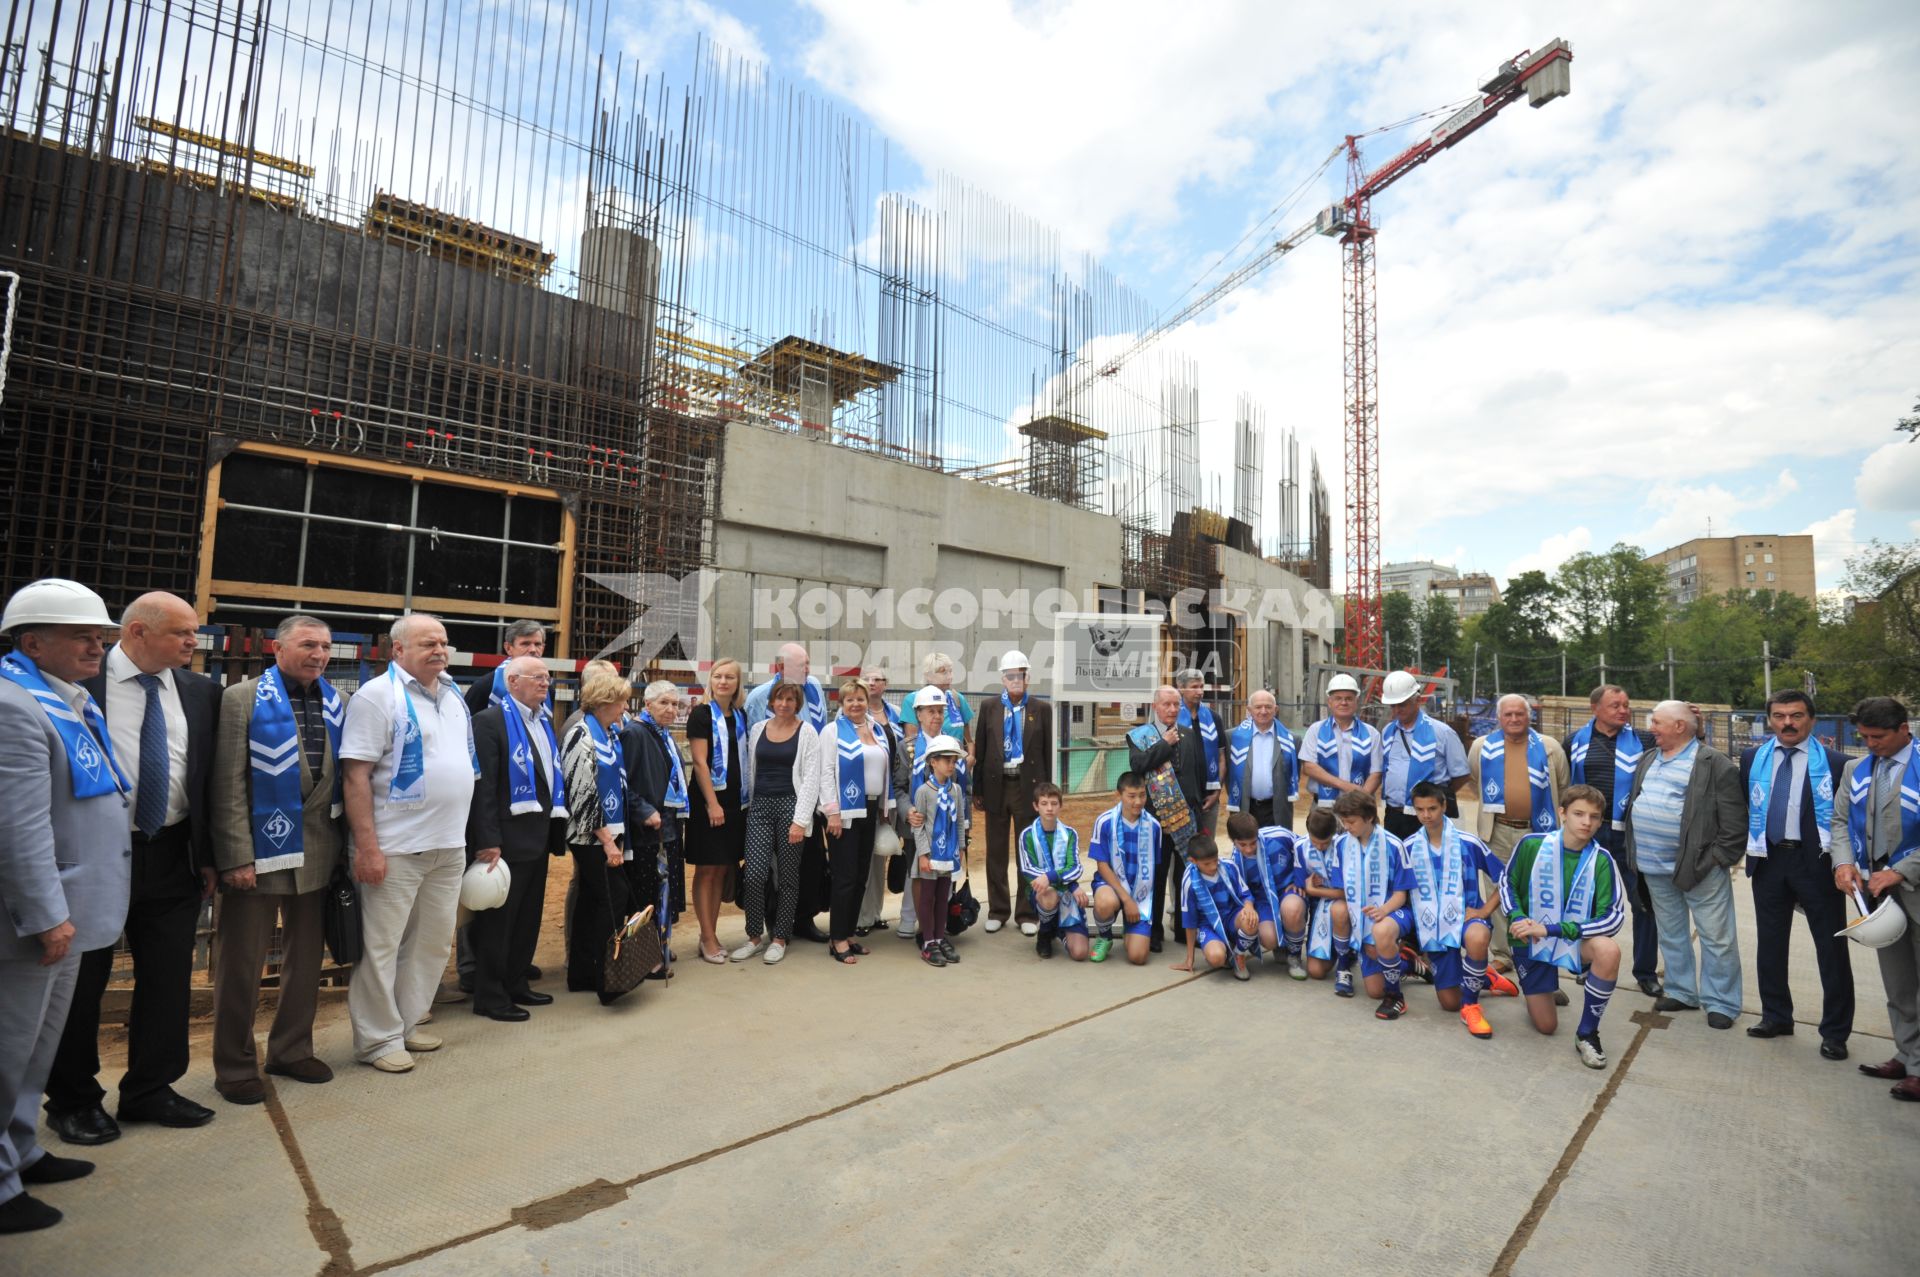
[{"x": 1106, "y": 656}]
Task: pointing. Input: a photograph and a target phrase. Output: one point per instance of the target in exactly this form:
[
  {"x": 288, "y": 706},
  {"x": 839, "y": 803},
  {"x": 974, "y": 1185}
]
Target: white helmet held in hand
[
  {"x": 1342, "y": 683},
  {"x": 1877, "y": 930},
  {"x": 54, "y": 601},
  {"x": 484, "y": 886},
  {"x": 1397, "y": 687},
  {"x": 929, "y": 696},
  {"x": 1015, "y": 659}
]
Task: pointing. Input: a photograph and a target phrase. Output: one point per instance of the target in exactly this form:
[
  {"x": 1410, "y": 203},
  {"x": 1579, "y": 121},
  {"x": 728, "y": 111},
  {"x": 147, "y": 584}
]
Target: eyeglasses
[{"x": 533, "y": 678}]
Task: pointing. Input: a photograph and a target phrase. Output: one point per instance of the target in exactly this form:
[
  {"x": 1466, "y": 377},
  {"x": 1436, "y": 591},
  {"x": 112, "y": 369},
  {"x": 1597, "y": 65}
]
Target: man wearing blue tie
[{"x": 1789, "y": 781}]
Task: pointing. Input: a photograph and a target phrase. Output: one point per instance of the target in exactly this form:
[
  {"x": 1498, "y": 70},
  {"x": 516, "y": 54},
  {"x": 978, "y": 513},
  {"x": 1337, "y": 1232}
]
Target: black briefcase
[{"x": 342, "y": 925}]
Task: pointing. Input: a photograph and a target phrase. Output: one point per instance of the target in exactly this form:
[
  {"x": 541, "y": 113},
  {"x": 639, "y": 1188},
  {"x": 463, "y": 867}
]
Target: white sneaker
[
  {"x": 775, "y": 951},
  {"x": 1029, "y": 928},
  {"x": 1295, "y": 967},
  {"x": 993, "y": 925},
  {"x": 750, "y": 950},
  {"x": 419, "y": 1041},
  {"x": 426, "y": 1017},
  {"x": 396, "y": 1062}
]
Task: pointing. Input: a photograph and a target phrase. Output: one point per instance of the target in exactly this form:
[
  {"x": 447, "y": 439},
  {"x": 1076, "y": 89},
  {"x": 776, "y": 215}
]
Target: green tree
[
  {"x": 1439, "y": 633},
  {"x": 1717, "y": 644},
  {"x": 1611, "y": 604},
  {"x": 1397, "y": 624},
  {"x": 1520, "y": 628}
]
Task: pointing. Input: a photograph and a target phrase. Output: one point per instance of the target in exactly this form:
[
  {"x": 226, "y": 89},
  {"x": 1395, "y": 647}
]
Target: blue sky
[{"x": 1684, "y": 293}]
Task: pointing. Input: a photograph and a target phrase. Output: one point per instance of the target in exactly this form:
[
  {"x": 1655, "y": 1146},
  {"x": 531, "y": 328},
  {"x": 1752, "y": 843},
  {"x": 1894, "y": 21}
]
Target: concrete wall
[
  {"x": 1290, "y": 624},
  {"x": 796, "y": 514}
]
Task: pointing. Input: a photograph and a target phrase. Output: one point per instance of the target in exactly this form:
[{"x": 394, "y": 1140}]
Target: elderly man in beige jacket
[{"x": 1517, "y": 774}]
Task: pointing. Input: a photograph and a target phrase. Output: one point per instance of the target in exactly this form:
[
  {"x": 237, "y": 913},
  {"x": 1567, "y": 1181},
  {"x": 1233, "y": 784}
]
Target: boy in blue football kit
[
  {"x": 1216, "y": 909},
  {"x": 1329, "y": 934},
  {"x": 1050, "y": 862},
  {"x": 1266, "y": 857},
  {"x": 1372, "y": 870},
  {"x": 1561, "y": 891},
  {"x": 1123, "y": 852},
  {"x": 1455, "y": 926}
]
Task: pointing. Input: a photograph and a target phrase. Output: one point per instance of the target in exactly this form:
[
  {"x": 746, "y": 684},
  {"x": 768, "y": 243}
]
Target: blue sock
[
  {"x": 1391, "y": 970},
  {"x": 1595, "y": 1003},
  {"x": 1242, "y": 942},
  {"x": 1294, "y": 940},
  {"x": 1473, "y": 978},
  {"x": 1345, "y": 961}
]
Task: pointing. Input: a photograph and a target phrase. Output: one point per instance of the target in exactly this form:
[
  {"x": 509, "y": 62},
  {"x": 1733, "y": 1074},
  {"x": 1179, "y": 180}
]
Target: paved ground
[{"x": 1025, "y": 1116}]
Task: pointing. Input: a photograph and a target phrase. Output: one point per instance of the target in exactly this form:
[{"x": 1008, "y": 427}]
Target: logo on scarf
[
  {"x": 88, "y": 757},
  {"x": 852, "y": 792},
  {"x": 1757, "y": 794},
  {"x": 1493, "y": 790},
  {"x": 520, "y": 755},
  {"x": 278, "y": 828},
  {"x": 611, "y": 804},
  {"x": 410, "y": 731},
  {"x": 268, "y": 692}
]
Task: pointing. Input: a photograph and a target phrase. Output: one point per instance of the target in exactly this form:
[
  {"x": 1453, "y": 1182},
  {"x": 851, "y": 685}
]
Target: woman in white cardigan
[{"x": 783, "y": 794}]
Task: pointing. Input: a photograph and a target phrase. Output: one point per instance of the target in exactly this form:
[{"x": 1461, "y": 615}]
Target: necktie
[
  {"x": 1782, "y": 795},
  {"x": 150, "y": 805},
  {"x": 1882, "y": 768}
]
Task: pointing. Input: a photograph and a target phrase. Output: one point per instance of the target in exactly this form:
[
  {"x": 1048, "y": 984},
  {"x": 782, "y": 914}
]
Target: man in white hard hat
[
  {"x": 1415, "y": 747},
  {"x": 407, "y": 754},
  {"x": 1876, "y": 831},
  {"x": 1013, "y": 752},
  {"x": 65, "y": 860},
  {"x": 164, "y": 719},
  {"x": 1340, "y": 752}
]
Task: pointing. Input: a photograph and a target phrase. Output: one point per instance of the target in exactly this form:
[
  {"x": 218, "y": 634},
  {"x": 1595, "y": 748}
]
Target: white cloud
[
  {"x": 1889, "y": 478},
  {"x": 1833, "y": 541},
  {"x": 1550, "y": 554}
]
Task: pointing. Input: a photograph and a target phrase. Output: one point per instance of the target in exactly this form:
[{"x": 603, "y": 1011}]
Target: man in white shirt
[{"x": 407, "y": 758}]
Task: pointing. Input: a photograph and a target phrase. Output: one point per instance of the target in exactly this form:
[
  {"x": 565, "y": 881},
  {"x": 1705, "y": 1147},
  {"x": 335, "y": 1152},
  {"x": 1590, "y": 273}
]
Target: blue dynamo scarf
[
  {"x": 852, "y": 773},
  {"x": 523, "y": 791},
  {"x": 1423, "y": 750},
  {"x": 1860, "y": 797},
  {"x": 497, "y": 694},
  {"x": 729, "y": 723},
  {"x": 276, "y": 809},
  {"x": 90, "y": 762},
  {"x": 1240, "y": 757},
  {"x": 1325, "y": 745},
  {"x": 1551, "y": 902},
  {"x": 676, "y": 779},
  {"x": 1203, "y": 889},
  {"x": 1493, "y": 779},
  {"x": 1626, "y": 758},
  {"x": 943, "y": 842},
  {"x": 1209, "y": 740},
  {"x": 1013, "y": 748},
  {"x": 1760, "y": 796},
  {"x": 1321, "y": 942},
  {"x": 407, "y": 788},
  {"x": 1439, "y": 901},
  {"x": 609, "y": 775},
  {"x": 1364, "y": 874},
  {"x": 1273, "y": 861}
]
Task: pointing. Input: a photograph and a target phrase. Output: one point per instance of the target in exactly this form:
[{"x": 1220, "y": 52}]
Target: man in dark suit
[
  {"x": 503, "y": 939},
  {"x": 1152, "y": 745},
  {"x": 1003, "y": 785},
  {"x": 1787, "y": 863},
  {"x": 162, "y": 717}
]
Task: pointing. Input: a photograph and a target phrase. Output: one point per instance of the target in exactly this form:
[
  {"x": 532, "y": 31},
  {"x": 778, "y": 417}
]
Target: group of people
[{"x": 135, "y": 788}]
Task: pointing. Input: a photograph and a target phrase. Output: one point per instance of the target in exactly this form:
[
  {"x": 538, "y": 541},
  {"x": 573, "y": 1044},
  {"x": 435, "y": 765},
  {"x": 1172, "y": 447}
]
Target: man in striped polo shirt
[{"x": 1686, "y": 826}]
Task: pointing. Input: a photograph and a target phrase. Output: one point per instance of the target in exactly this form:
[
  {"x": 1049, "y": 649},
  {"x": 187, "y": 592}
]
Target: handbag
[
  {"x": 897, "y": 873},
  {"x": 962, "y": 909},
  {"x": 886, "y": 839},
  {"x": 341, "y": 920},
  {"x": 632, "y": 950}
]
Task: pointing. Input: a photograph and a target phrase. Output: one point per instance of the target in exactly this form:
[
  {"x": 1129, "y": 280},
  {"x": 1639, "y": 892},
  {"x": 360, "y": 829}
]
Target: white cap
[
  {"x": 943, "y": 744},
  {"x": 54, "y": 601},
  {"x": 484, "y": 886},
  {"x": 929, "y": 695},
  {"x": 1342, "y": 683},
  {"x": 1397, "y": 687},
  {"x": 1015, "y": 659}
]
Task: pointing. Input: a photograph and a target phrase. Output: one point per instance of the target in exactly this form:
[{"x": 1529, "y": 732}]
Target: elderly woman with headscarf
[
  {"x": 657, "y": 798},
  {"x": 594, "y": 764}
]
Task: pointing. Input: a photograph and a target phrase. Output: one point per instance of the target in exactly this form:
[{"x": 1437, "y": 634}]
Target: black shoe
[
  {"x": 932, "y": 956},
  {"x": 1674, "y": 1004},
  {"x": 506, "y": 1014},
  {"x": 533, "y": 972},
  {"x": 1043, "y": 942},
  {"x": 1153, "y": 944},
  {"x": 1390, "y": 1008},
  {"x": 528, "y": 998},
  {"x": 946, "y": 947},
  {"x": 1717, "y": 1021},
  {"x": 1771, "y": 1029},
  {"x": 23, "y": 1214},
  {"x": 810, "y": 933},
  {"x": 89, "y": 1125},
  {"x": 168, "y": 1108},
  {"x": 56, "y": 1170},
  {"x": 1832, "y": 1050},
  {"x": 1652, "y": 988}
]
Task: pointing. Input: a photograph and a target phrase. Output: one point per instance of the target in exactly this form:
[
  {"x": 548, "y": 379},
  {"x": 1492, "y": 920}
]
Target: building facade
[
  {"x": 1414, "y": 579},
  {"x": 1471, "y": 594},
  {"x": 1707, "y": 566}
]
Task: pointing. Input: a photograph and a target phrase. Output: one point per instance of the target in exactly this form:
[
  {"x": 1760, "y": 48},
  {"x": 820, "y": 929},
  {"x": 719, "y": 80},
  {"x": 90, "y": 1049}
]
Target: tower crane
[{"x": 1537, "y": 75}]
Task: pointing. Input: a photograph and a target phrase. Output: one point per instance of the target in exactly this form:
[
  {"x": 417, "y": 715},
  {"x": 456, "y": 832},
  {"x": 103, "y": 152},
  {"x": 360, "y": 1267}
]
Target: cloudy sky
[{"x": 1685, "y": 293}]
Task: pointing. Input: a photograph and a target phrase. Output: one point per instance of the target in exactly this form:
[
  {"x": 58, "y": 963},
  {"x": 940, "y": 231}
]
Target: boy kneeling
[
  {"x": 1216, "y": 908},
  {"x": 1563, "y": 907},
  {"x": 1124, "y": 850},
  {"x": 1267, "y": 861},
  {"x": 1455, "y": 927},
  {"x": 1329, "y": 935},
  {"x": 1050, "y": 861},
  {"x": 1372, "y": 869}
]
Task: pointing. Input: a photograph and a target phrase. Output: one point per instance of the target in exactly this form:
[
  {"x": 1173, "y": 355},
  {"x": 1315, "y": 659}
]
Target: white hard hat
[
  {"x": 1015, "y": 659},
  {"x": 54, "y": 601},
  {"x": 1342, "y": 683},
  {"x": 1398, "y": 686},
  {"x": 943, "y": 744},
  {"x": 484, "y": 886},
  {"x": 1877, "y": 930},
  {"x": 929, "y": 695}
]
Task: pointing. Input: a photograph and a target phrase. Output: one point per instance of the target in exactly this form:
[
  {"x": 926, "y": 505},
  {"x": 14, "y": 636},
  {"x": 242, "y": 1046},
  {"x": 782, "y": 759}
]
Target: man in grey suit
[
  {"x": 65, "y": 854},
  {"x": 277, "y": 834},
  {"x": 1875, "y": 856},
  {"x": 1686, "y": 824}
]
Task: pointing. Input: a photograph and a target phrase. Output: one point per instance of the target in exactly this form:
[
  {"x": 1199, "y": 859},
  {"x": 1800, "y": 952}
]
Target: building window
[
  {"x": 1769, "y": 558},
  {"x": 1749, "y": 575},
  {"x": 1749, "y": 559},
  {"x": 1770, "y": 576}
]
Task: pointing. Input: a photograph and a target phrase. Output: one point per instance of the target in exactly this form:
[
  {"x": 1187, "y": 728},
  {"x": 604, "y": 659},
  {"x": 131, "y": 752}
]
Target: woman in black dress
[{"x": 716, "y": 820}]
